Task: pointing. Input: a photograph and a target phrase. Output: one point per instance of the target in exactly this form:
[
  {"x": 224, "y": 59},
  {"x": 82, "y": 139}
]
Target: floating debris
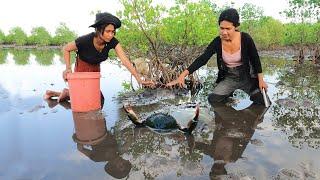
[
  {"x": 289, "y": 174},
  {"x": 307, "y": 104},
  {"x": 54, "y": 111},
  {"x": 287, "y": 102},
  {"x": 308, "y": 171},
  {"x": 36, "y": 108},
  {"x": 235, "y": 133},
  {"x": 256, "y": 142},
  {"x": 280, "y": 83}
]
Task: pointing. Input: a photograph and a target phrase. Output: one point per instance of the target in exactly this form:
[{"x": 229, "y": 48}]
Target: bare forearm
[
  {"x": 131, "y": 69},
  {"x": 262, "y": 84},
  {"x": 260, "y": 77},
  {"x": 184, "y": 74},
  {"x": 66, "y": 56},
  {"x": 66, "y": 53},
  {"x": 126, "y": 62}
]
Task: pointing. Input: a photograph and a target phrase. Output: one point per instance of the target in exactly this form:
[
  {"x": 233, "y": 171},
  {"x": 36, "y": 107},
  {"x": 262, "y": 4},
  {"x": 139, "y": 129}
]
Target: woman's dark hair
[
  {"x": 230, "y": 15},
  {"x": 99, "y": 29}
]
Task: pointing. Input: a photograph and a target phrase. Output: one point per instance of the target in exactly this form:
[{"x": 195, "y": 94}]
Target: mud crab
[{"x": 162, "y": 122}]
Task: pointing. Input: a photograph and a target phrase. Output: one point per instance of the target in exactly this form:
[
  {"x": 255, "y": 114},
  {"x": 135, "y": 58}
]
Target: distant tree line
[{"x": 39, "y": 36}]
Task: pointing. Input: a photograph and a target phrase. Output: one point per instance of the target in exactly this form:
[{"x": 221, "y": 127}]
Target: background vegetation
[
  {"x": 146, "y": 25},
  {"x": 169, "y": 38}
]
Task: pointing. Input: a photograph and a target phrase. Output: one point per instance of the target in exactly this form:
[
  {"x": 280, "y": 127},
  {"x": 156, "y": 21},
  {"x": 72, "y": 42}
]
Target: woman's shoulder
[
  {"x": 85, "y": 37},
  {"x": 89, "y": 35},
  {"x": 216, "y": 39},
  {"x": 114, "y": 39},
  {"x": 113, "y": 42},
  {"x": 215, "y": 42},
  {"x": 84, "y": 41},
  {"x": 245, "y": 35}
]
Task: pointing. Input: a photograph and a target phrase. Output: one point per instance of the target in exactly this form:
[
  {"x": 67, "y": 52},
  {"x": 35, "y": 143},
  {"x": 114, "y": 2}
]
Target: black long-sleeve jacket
[{"x": 249, "y": 57}]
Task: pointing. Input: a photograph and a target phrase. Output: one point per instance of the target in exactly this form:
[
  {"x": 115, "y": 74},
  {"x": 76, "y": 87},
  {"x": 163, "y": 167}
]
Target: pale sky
[{"x": 77, "y": 14}]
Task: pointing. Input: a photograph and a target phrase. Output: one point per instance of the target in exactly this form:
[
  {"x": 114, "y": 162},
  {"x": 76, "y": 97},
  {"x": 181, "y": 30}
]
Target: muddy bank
[{"x": 285, "y": 52}]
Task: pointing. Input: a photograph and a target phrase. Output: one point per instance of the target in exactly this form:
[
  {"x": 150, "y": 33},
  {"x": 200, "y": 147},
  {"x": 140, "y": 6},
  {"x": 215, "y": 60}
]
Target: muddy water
[{"x": 45, "y": 140}]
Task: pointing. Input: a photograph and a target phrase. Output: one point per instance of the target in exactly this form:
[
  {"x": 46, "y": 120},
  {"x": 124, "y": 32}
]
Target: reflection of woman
[
  {"x": 92, "y": 49},
  {"x": 90, "y": 130},
  {"x": 232, "y": 135},
  {"x": 237, "y": 58},
  {"x": 106, "y": 150}
]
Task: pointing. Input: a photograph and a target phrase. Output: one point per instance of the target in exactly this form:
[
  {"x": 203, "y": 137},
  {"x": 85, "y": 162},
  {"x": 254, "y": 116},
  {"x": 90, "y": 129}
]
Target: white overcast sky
[{"x": 76, "y": 13}]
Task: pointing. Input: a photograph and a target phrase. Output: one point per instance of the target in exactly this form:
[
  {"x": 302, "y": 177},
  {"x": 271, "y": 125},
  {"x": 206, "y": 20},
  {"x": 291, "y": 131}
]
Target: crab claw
[
  {"x": 131, "y": 114},
  {"x": 127, "y": 108},
  {"x": 192, "y": 124}
]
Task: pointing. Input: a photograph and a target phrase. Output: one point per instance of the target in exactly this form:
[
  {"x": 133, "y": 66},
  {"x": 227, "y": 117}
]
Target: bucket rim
[
  {"x": 83, "y": 75},
  {"x": 89, "y": 141}
]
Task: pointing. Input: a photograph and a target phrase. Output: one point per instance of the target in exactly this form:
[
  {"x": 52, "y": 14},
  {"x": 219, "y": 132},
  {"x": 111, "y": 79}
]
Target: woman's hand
[
  {"x": 147, "y": 83},
  {"x": 64, "y": 74},
  {"x": 126, "y": 62},
  {"x": 263, "y": 85},
  {"x": 179, "y": 81}
]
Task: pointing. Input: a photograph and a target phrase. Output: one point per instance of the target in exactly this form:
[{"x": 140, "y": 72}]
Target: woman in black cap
[
  {"x": 92, "y": 49},
  {"x": 237, "y": 59}
]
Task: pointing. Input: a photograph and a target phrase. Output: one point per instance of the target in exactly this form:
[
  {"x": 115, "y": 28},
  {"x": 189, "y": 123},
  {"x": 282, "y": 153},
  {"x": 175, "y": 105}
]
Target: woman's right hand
[
  {"x": 148, "y": 83},
  {"x": 64, "y": 74},
  {"x": 179, "y": 81}
]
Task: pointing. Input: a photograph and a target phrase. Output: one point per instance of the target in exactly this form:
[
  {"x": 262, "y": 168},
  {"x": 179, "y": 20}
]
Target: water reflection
[
  {"x": 44, "y": 57},
  {"x": 21, "y": 57},
  {"x": 289, "y": 135},
  {"x": 160, "y": 155},
  {"x": 272, "y": 65},
  {"x": 4, "y": 101},
  {"x": 53, "y": 103},
  {"x": 97, "y": 143},
  {"x": 297, "y": 111},
  {"x": 300, "y": 82},
  {"x": 234, "y": 130},
  {"x": 3, "y": 56}
]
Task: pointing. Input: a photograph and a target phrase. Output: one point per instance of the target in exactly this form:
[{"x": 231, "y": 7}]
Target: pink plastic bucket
[{"x": 84, "y": 90}]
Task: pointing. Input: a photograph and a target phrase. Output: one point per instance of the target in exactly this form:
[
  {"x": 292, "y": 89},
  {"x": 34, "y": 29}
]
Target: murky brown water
[{"x": 46, "y": 140}]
